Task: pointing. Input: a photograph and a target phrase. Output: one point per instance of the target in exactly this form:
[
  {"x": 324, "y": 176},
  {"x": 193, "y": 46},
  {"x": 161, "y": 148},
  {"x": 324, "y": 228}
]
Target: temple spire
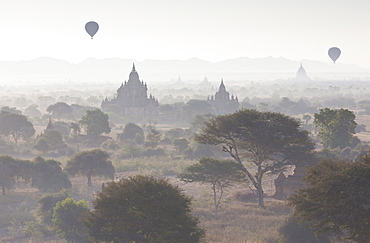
[
  {"x": 222, "y": 86},
  {"x": 133, "y": 67}
]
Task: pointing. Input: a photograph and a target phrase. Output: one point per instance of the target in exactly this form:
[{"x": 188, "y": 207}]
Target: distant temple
[
  {"x": 132, "y": 98},
  {"x": 222, "y": 101},
  {"x": 285, "y": 186},
  {"x": 301, "y": 74}
]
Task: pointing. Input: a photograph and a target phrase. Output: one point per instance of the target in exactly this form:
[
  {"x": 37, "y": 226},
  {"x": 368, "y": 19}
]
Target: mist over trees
[{"x": 65, "y": 141}]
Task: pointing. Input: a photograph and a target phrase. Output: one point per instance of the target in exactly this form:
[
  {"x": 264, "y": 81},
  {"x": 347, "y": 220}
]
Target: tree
[
  {"x": 181, "y": 144},
  {"x": 15, "y": 125},
  {"x": 67, "y": 218},
  {"x": 60, "y": 110},
  {"x": 47, "y": 203},
  {"x": 336, "y": 199},
  {"x": 294, "y": 231},
  {"x": 131, "y": 131},
  {"x": 220, "y": 174},
  {"x": 142, "y": 209},
  {"x": 8, "y": 170},
  {"x": 307, "y": 118},
  {"x": 11, "y": 110},
  {"x": 175, "y": 133},
  {"x": 54, "y": 139},
  {"x": 91, "y": 163},
  {"x": 75, "y": 128},
  {"x": 269, "y": 141},
  {"x": 62, "y": 127},
  {"x": 95, "y": 122},
  {"x": 32, "y": 111},
  {"x": 42, "y": 145},
  {"x": 48, "y": 176},
  {"x": 153, "y": 136},
  {"x": 336, "y": 128}
]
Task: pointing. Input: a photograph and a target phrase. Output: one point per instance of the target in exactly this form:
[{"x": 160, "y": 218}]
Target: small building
[{"x": 286, "y": 185}]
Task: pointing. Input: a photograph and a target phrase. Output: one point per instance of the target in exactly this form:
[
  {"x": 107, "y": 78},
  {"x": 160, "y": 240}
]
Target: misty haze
[{"x": 186, "y": 121}]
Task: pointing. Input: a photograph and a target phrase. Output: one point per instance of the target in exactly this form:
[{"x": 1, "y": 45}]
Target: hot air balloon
[
  {"x": 91, "y": 28},
  {"x": 334, "y": 53}
]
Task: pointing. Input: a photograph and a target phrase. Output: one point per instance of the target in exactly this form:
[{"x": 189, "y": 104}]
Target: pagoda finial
[
  {"x": 222, "y": 86},
  {"x": 133, "y": 67}
]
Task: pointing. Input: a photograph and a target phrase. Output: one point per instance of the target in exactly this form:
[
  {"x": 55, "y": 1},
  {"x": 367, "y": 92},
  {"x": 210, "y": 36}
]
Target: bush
[{"x": 292, "y": 231}]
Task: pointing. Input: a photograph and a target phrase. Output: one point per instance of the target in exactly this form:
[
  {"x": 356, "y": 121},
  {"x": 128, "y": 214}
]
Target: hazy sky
[{"x": 212, "y": 30}]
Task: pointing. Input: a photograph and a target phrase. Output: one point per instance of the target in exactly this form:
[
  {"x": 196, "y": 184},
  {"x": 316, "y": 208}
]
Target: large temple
[
  {"x": 132, "y": 98},
  {"x": 222, "y": 102},
  {"x": 301, "y": 74}
]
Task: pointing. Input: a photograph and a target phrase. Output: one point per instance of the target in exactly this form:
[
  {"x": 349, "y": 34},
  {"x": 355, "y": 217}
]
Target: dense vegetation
[{"x": 44, "y": 169}]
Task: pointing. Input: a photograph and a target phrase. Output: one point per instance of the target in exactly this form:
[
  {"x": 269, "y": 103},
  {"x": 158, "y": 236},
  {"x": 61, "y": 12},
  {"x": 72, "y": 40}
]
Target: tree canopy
[
  {"x": 60, "y": 110},
  {"x": 8, "y": 172},
  {"x": 269, "y": 141},
  {"x": 337, "y": 198},
  {"x": 91, "y": 163},
  {"x": 95, "y": 122},
  {"x": 15, "y": 125},
  {"x": 142, "y": 209},
  {"x": 67, "y": 218},
  {"x": 48, "y": 176},
  {"x": 131, "y": 131},
  {"x": 336, "y": 128},
  {"x": 220, "y": 174}
]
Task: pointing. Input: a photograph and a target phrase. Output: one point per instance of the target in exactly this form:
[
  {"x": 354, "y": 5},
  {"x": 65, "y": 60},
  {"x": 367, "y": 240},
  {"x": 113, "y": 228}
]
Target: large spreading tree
[
  {"x": 337, "y": 198},
  {"x": 91, "y": 163},
  {"x": 142, "y": 209},
  {"x": 261, "y": 142},
  {"x": 337, "y": 128}
]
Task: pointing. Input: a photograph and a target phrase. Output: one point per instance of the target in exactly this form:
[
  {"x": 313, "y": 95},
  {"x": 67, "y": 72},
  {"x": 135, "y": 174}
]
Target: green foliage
[
  {"x": 307, "y": 118},
  {"x": 337, "y": 198},
  {"x": 62, "y": 127},
  {"x": 199, "y": 121},
  {"x": 75, "y": 128},
  {"x": 180, "y": 144},
  {"x": 293, "y": 231},
  {"x": 32, "y": 111},
  {"x": 131, "y": 131},
  {"x": 47, "y": 175},
  {"x": 42, "y": 146},
  {"x": 9, "y": 169},
  {"x": 175, "y": 133},
  {"x": 95, "y": 122},
  {"x": 269, "y": 141},
  {"x": 336, "y": 128},
  {"x": 220, "y": 174},
  {"x": 110, "y": 144},
  {"x": 153, "y": 136},
  {"x": 52, "y": 140},
  {"x": 67, "y": 218},
  {"x": 12, "y": 110},
  {"x": 47, "y": 203},
  {"x": 142, "y": 209},
  {"x": 60, "y": 110},
  {"x": 15, "y": 125},
  {"x": 91, "y": 163}
]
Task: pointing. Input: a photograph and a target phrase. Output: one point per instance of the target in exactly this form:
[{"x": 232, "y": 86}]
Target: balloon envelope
[
  {"x": 91, "y": 28},
  {"x": 334, "y": 53}
]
